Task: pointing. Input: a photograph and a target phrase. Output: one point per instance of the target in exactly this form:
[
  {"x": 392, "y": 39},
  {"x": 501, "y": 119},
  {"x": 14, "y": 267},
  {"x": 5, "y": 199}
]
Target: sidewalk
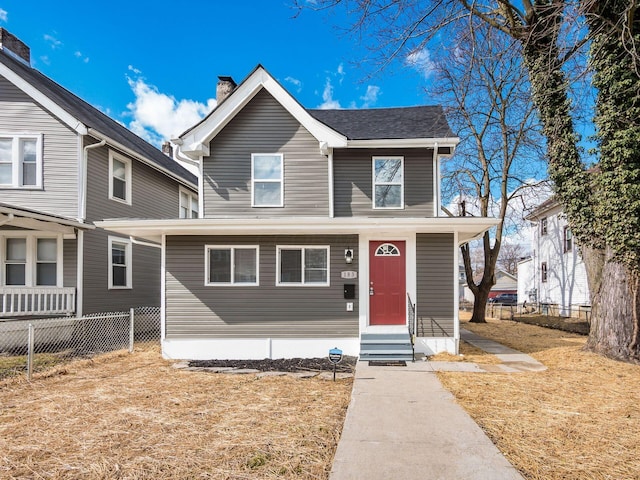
[{"x": 402, "y": 424}]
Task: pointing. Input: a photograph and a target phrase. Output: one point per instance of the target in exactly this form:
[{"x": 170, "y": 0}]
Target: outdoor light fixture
[{"x": 348, "y": 255}]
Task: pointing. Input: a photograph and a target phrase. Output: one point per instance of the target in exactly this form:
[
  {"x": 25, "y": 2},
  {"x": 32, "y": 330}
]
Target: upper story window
[
  {"x": 567, "y": 239},
  {"x": 267, "y": 179},
  {"x": 231, "y": 265},
  {"x": 544, "y": 272},
  {"x": 119, "y": 178},
  {"x": 120, "y": 268},
  {"x": 543, "y": 226},
  {"x": 20, "y": 161},
  {"x": 188, "y": 204},
  {"x": 303, "y": 266},
  {"x": 32, "y": 261},
  {"x": 388, "y": 182}
]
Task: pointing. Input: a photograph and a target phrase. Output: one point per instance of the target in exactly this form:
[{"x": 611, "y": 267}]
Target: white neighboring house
[
  {"x": 505, "y": 283},
  {"x": 555, "y": 273}
]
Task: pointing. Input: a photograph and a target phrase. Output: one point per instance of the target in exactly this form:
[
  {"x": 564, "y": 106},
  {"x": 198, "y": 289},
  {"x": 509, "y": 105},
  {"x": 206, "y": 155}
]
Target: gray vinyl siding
[
  {"x": 435, "y": 294},
  {"x": 153, "y": 196},
  {"x": 353, "y": 183},
  {"x": 146, "y": 276},
  {"x": 264, "y": 126},
  {"x": 198, "y": 311},
  {"x": 59, "y": 195},
  {"x": 69, "y": 262}
]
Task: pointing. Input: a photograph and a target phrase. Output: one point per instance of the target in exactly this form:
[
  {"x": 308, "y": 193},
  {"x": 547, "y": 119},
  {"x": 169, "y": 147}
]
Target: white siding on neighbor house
[
  {"x": 526, "y": 281},
  {"x": 59, "y": 192},
  {"x": 566, "y": 284}
]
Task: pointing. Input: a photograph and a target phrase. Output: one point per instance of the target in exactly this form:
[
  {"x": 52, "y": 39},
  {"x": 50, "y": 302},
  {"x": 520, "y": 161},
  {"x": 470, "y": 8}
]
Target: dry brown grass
[
  {"x": 136, "y": 417},
  {"x": 468, "y": 353},
  {"x": 579, "y": 419}
]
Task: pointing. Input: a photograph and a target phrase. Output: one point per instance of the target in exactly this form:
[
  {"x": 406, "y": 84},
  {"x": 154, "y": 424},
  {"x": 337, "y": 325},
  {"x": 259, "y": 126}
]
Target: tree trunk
[
  {"x": 614, "y": 331},
  {"x": 480, "y": 302}
]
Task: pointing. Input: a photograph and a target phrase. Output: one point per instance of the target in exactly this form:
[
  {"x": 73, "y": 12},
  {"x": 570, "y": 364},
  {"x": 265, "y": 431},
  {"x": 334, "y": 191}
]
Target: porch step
[{"x": 386, "y": 347}]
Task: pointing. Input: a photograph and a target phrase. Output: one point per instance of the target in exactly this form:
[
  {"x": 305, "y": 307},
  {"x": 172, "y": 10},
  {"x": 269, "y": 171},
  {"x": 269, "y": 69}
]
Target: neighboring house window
[
  {"x": 267, "y": 174},
  {"x": 188, "y": 204},
  {"x": 32, "y": 261},
  {"x": 543, "y": 226},
  {"x": 303, "y": 266},
  {"x": 567, "y": 239},
  {"x": 543, "y": 272},
  {"x": 388, "y": 182},
  {"x": 120, "y": 268},
  {"x": 20, "y": 161},
  {"x": 119, "y": 178},
  {"x": 227, "y": 265}
]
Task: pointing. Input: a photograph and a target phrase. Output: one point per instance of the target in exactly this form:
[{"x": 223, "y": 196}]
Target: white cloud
[
  {"x": 45, "y": 59},
  {"x": 4, "y": 15},
  {"x": 157, "y": 116},
  {"x": 295, "y": 82},
  {"x": 79, "y": 55},
  {"x": 371, "y": 96},
  {"x": 327, "y": 96},
  {"x": 420, "y": 60},
  {"x": 52, "y": 41},
  {"x": 133, "y": 69}
]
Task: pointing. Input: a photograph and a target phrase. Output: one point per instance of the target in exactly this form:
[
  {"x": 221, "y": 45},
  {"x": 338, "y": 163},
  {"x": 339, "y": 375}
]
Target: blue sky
[{"x": 154, "y": 65}]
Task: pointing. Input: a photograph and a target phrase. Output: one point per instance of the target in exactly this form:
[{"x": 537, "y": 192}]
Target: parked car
[{"x": 505, "y": 299}]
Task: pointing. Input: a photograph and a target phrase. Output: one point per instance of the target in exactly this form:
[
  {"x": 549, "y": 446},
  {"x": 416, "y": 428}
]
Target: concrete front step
[{"x": 386, "y": 347}]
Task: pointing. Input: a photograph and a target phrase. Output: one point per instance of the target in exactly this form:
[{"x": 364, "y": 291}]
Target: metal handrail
[{"x": 412, "y": 324}]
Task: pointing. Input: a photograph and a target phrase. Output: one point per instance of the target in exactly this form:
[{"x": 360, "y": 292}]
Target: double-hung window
[
  {"x": 120, "y": 267},
  {"x": 567, "y": 239},
  {"x": 20, "y": 161},
  {"x": 227, "y": 265},
  {"x": 32, "y": 261},
  {"x": 307, "y": 265},
  {"x": 544, "y": 272},
  {"x": 119, "y": 178},
  {"x": 188, "y": 204},
  {"x": 543, "y": 226},
  {"x": 388, "y": 182},
  {"x": 267, "y": 180}
]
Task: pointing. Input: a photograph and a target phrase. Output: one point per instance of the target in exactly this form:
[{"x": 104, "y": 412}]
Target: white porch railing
[{"x": 22, "y": 301}]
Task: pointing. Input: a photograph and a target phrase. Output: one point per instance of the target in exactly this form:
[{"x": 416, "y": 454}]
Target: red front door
[{"x": 387, "y": 283}]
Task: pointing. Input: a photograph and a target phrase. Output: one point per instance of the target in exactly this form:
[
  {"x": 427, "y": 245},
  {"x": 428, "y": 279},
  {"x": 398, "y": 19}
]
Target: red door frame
[{"x": 387, "y": 282}]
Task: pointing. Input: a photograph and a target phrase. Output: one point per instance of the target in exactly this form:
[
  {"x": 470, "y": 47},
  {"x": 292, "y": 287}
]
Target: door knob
[{"x": 370, "y": 290}]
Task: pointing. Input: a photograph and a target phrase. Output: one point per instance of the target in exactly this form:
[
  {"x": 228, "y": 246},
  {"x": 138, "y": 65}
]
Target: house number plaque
[{"x": 349, "y": 274}]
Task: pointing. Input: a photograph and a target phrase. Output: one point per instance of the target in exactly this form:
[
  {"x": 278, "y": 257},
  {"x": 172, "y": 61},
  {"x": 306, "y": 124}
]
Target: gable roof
[
  {"x": 408, "y": 127},
  {"x": 86, "y": 119},
  {"x": 387, "y": 123}
]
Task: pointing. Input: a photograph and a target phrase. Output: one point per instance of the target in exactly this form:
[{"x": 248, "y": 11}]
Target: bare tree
[{"x": 510, "y": 255}]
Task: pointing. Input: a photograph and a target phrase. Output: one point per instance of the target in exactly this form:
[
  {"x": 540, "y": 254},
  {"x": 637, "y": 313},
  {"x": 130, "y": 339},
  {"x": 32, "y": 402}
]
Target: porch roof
[
  {"x": 14, "y": 216},
  {"x": 467, "y": 228}
]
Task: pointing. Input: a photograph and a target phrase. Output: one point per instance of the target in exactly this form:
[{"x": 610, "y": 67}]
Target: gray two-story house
[
  {"x": 316, "y": 229},
  {"x": 64, "y": 165}
]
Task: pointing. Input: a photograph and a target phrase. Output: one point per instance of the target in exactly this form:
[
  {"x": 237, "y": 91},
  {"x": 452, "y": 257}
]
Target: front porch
[{"x": 37, "y": 301}]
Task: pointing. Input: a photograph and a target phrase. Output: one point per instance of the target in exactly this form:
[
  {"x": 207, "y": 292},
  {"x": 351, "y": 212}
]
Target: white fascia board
[
  {"x": 405, "y": 143},
  {"x": 195, "y": 140},
  {"x": 66, "y": 118},
  {"x": 467, "y": 227}
]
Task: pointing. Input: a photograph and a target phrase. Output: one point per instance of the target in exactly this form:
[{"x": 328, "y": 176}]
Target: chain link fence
[
  {"x": 28, "y": 345},
  {"x": 574, "y": 318}
]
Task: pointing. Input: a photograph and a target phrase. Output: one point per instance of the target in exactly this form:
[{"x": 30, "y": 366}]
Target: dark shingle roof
[
  {"x": 94, "y": 118},
  {"x": 387, "y": 123}
]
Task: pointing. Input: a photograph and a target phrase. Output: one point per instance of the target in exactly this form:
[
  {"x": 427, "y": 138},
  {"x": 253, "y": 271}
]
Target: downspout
[
  {"x": 82, "y": 214},
  {"x": 331, "y": 194},
  {"x": 436, "y": 185},
  {"x": 199, "y": 164}
]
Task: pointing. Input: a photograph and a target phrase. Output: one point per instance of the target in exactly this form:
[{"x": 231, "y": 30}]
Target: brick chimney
[
  {"x": 167, "y": 149},
  {"x": 225, "y": 86},
  {"x": 14, "y": 46}
]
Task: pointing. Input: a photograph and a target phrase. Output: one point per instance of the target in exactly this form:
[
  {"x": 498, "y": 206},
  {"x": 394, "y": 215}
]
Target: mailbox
[{"x": 349, "y": 291}]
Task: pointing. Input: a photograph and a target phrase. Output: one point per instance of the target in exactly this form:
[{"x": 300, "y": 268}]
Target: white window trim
[
  {"x": 280, "y": 180},
  {"x": 32, "y": 258},
  {"x": 191, "y": 196},
  {"x": 232, "y": 282},
  {"x": 16, "y": 173},
  {"x": 279, "y": 248},
  {"x": 374, "y": 183},
  {"x": 127, "y": 175},
  {"x": 128, "y": 262}
]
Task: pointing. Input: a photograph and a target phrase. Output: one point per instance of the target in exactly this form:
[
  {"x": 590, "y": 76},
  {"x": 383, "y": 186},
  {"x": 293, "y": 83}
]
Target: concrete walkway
[{"x": 402, "y": 424}]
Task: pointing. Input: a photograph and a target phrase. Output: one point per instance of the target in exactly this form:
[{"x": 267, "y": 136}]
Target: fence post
[
  {"x": 131, "y": 329},
  {"x": 30, "y": 353}
]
